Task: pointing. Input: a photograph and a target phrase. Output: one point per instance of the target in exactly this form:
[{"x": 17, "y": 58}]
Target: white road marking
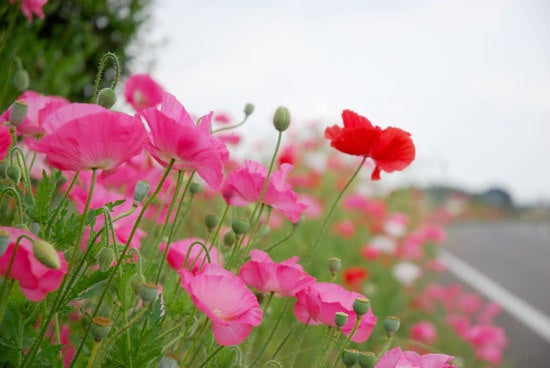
[{"x": 530, "y": 316}]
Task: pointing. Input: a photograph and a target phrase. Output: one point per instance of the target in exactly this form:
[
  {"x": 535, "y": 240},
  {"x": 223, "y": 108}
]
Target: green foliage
[{"x": 61, "y": 52}]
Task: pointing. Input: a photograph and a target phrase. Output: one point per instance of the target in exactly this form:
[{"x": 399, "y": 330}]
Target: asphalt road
[{"x": 516, "y": 255}]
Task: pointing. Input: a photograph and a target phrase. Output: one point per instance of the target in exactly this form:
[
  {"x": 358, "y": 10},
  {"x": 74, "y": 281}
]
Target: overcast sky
[{"x": 469, "y": 79}]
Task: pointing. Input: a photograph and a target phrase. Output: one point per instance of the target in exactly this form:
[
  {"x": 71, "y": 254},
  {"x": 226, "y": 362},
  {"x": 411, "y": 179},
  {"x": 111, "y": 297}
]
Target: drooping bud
[
  {"x": 106, "y": 98},
  {"x": 195, "y": 188},
  {"x": 136, "y": 281},
  {"x": 141, "y": 190},
  {"x": 18, "y": 112},
  {"x": 148, "y": 292},
  {"x": 240, "y": 226},
  {"x": 46, "y": 254},
  {"x": 211, "y": 221},
  {"x": 340, "y": 319},
  {"x": 366, "y": 359},
  {"x": 349, "y": 357},
  {"x": 361, "y": 306},
  {"x": 391, "y": 324},
  {"x": 21, "y": 80},
  {"x": 14, "y": 173},
  {"x": 101, "y": 326},
  {"x": 248, "y": 109},
  {"x": 334, "y": 265},
  {"x": 105, "y": 257},
  {"x": 229, "y": 238},
  {"x": 281, "y": 120},
  {"x": 35, "y": 228},
  {"x": 4, "y": 241}
]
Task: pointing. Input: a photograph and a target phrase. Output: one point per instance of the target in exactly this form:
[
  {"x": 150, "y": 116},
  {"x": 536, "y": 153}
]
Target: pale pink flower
[
  {"x": 345, "y": 228},
  {"x": 225, "y": 299},
  {"x": 243, "y": 187},
  {"x": 284, "y": 279},
  {"x": 314, "y": 207},
  {"x": 396, "y": 225},
  {"x": 142, "y": 92},
  {"x": 35, "y": 279},
  {"x": 86, "y": 137},
  {"x": 178, "y": 250},
  {"x": 174, "y": 136},
  {"x": 30, "y": 7},
  {"x": 424, "y": 332},
  {"x": 396, "y": 358},
  {"x": 222, "y": 118},
  {"x": 318, "y": 304}
]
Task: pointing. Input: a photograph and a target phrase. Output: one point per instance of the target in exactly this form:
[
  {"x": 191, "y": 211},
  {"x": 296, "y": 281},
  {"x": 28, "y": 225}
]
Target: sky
[{"x": 470, "y": 80}]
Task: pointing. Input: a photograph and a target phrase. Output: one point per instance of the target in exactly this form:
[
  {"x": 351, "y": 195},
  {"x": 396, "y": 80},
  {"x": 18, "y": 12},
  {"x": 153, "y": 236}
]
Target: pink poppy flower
[
  {"x": 225, "y": 299},
  {"x": 142, "y": 92},
  {"x": 396, "y": 358},
  {"x": 35, "y": 279},
  {"x": 284, "y": 279},
  {"x": 424, "y": 332},
  {"x": 318, "y": 303},
  {"x": 243, "y": 187},
  {"x": 488, "y": 342},
  {"x": 345, "y": 228},
  {"x": 30, "y": 7},
  {"x": 5, "y": 141},
  {"x": 85, "y": 137},
  {"x": 197, "y": 257},
  {"x": 174, "y": 136}
]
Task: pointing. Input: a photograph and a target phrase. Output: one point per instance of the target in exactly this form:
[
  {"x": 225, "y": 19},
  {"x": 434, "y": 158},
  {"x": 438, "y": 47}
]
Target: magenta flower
[
  {"x": 243, "y": 187},
  {"x": 284, "y": 279},
  {"x": 226, "y": 300},
  {"x": 197, "y": 257},
  {"x": 424, "y": 332},
  {"x": 35, "y": 279},
  {"x": 174, "y": 136},
  {"x": 142, "y": 92},
  {"x": 30, "y": 7},
  {"x": 396, "y": 358},
  {"x": 318, "y": 304},
  {"x": 5, "y": 141},
  {"x": 84, "y": 137}
]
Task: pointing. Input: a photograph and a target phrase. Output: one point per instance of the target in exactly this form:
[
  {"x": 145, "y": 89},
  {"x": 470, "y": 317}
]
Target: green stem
[
  {"x": 281, "y": 241},
  {"x": 321, "y": 232},
  {"x": 60, "y": 204},
  {"x": 103, "y": 61},
  {"x": 385, "y": 348},
  {"x": 348, "y": 339},
  {"x": 323, "y": 347},
  {"x": 195, "y": 340},
  {"x": 95, "y": 348},
  {"x": 211, "y": 356},
  {"x": 231, "y": 126}
]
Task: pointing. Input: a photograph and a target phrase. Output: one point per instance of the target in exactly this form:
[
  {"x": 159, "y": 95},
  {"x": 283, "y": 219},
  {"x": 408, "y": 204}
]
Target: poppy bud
[
  {"x": 366, "y": 359},
  {"x": 106, "y": 98},
  {"x": 340, "y": 319},
  {"x": 18, "y": 112},
  {"x": 211, "y": 221},
  {"x": 21, "y": 80},
  {"x": 248, "y": 109},
  {"x": 4, "y": 241},
  {"x": 148, "y": 292},
  {"x": 3, "y": 171},
  {"x": 334, "y": 265},
  {"x": 349, "y": 357},
  {"x": 281, "y": 120},
  {"x": 240, "y": 226},
  {"x": 195, "y": 188},
  {"x": 168, "y": 361},
  {"x": 14, "y": 173},
  {"x": 361, "y": 306},
  {"x": 136, "y": 281},
  {"x": 229, "y": 238},
  {"x": 105, "y": 257},
  {"x": 45, "y": 253},
  {"x": 140, "y": 190},
  {"x": 391, "y": 324},
  {"x": 101, "y": 326},
  {"x": 35, "y": 228}
]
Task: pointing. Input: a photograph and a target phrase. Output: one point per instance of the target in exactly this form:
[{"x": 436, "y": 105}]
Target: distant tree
[{"x": 61, "y": 52}]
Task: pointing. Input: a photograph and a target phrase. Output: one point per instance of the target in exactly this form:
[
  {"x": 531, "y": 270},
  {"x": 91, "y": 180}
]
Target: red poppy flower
[
  {"x": 391, "y": 148},
  {"x": 354, "y": 277}
]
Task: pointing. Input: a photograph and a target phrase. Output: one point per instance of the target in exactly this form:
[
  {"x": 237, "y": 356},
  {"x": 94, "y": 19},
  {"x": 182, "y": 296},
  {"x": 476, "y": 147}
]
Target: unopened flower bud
[
  {"x": 18, "y": 112},
  {"x": 366, "y": 359},
  {"x": 46, "y": 254},
  {"x": 136, "y": 281},
  {"x": 21, "y": 80},
  {"x": 105, "y": 257},
  {"x": 101, "y": 326},
  {"x": 229, "y": 238},
  {"x": 4, "y": 241},
  {"x": 281, "y": 120},
  {"x": 35, "y": 228},
  {"x": 391, "y": 324},
  {"x": 168, "y": 361},
  {"x": 3, "y": 170},
  {"x": 340, "y": 319},
  {"x": 14, "y": 173},
  {"x": 349, "y": 357},
  {"x": 248, "y": 109},
  {"x": 211, "y": 221},
  {"x": 195, "y": 188},
  {"x": 141, "y": 190},
  {"x": 148, "y": 292},
  {"x": 240, "y": 226},
  {"x": 334, "y": 265},
  {"x": 106, "y": 98},
  {"x": 361, "y": 306}
]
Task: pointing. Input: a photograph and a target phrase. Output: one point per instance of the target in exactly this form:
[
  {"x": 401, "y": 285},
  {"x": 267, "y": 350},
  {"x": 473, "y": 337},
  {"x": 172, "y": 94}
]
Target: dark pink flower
[
  {"x": 284, "y": 279},
  {"x": 243, "y": 187},
  {"x": 396, "y": 358},
  {"x": 30, "y": 7},
  {"x": 142, "y": 92},
  {"x": 35, "y": 279},
  {"x": 225, "y": 299},
  {"x": 5, "y": 141},
  {"x": 424, "y": 332},
  {"x": 488, "y": 341},
  {"x": 85, "y": 137},
  {"x": 318, "y": 304},
  {"x": 197, "y": 257},
  {"x": 174, "y": 136}
]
